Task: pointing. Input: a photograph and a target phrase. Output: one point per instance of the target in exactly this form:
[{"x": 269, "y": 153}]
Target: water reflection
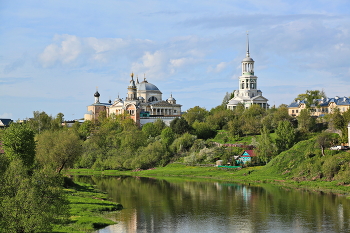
[{"x": 153, "y": 205}]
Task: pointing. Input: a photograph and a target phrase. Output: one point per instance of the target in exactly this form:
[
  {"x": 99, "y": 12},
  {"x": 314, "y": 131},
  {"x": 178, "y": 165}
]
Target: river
[{"x": 175, "y": 205}]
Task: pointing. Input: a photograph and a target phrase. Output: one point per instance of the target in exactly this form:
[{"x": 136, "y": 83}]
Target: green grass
[{"x": 88, "y": 209}]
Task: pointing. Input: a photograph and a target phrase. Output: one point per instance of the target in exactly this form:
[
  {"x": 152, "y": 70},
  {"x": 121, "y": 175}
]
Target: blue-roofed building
[
  {"x": 323, "y": 106},
  {"x": 5, "y": 122}
]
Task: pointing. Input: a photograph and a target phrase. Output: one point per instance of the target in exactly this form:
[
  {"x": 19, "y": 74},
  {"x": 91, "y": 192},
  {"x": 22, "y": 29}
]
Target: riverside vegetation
[{"x": 289, "y": 150}]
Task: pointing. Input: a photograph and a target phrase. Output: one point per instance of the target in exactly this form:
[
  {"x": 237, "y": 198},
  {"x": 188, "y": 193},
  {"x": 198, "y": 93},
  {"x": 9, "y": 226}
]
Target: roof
[
  {"x": 248, "y": 59},
  {"x": 5, "y": 122},
  {"x": 146, "y": 86},
  {"x": 324, "y": 102},
  {"x": 249, "y": 152}
]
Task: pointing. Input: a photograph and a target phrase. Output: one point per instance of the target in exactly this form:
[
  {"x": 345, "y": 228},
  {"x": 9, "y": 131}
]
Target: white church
[{"x": 248, "y": 93}]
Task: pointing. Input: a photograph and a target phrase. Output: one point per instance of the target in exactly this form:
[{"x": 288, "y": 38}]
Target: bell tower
[{"x": 132, "y": 90}]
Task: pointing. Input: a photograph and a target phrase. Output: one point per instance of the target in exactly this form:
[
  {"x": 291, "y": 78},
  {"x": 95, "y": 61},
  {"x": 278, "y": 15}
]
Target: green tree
[
  {"x": 324, "y": 140},
  {"x": 40, "y": 121},
  {"x": 179, "y": 125},
  {"x": 203, "y": 130},
  {"x": 227, "y": 98},
  {"x": 306, "y": 123},
  {"x": 235, "y": 128},
  {"x": 150, "y": 130},
  {"x": 286, "y": 136},
  {"x": 167, "y": 136},
  {"x": 18, "y": 143},
  {"x": 195, "y": 114},
  {"x": 58, "y": 149},
  {"x": 160, "y": 125},
  {"x": 310, "y": 97},
  {"x": 31, "y": 203},
  {"x": 266, "y": 149}
]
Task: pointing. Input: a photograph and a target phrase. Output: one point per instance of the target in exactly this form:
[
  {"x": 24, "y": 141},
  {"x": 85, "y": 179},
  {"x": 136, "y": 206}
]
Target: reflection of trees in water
[{"x": 234, "y": 204}]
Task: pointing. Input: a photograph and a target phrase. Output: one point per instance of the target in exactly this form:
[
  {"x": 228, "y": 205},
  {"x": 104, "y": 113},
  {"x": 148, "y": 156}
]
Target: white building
[{"x": 248, "y": 93}]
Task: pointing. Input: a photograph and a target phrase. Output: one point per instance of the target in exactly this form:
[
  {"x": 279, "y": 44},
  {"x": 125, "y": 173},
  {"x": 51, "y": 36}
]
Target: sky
[{"x": 55, "y": 54}]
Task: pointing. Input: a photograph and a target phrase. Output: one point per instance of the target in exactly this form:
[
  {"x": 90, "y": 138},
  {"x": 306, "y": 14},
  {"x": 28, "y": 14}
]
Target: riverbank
[
  {"x": 255, "y": 175},
  {"x": 89, "y": 209}
]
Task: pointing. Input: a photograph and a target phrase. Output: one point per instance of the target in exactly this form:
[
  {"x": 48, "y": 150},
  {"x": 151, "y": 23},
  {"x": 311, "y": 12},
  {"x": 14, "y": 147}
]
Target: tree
[
  {"x": 179, "y": 125},
  {"x": 265, "y": 148},
  {"x": 40, "y": 121},
  {"x": 160, "y": 125},
  {"x": 286, "y": 136},
  {"x": 58, "y": 149},
  {"x": 31, "y": 203},
  {"x": 195, "y": 114},
  {"x": 324, "y": 140},
  {"x": 227, "y": 98},
  {"x": 150, "y": 130},
  {"x": 306, "y": 123},
  {"x": 310, "y": 97},
  {"x": 167, "y": 136},
  {"x": 18, "y": 143},
  {"x": 235, "y": 128},
  {"x": 203, "y": 130}
]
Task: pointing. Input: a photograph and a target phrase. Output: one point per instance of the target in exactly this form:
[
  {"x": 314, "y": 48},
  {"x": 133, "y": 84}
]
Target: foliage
[
  {"x": 325, "y": 140},
  {"x": 167, "y": 136},
  {"x": 18, "y": 143},
  {"x": 195, "y": 114},
  {"x": 180, "y": 125},
  {"x": 311, "y": 97},
  {"x": 306, "y": 122},
  {"x": 265, "y": 148},
  {"x": 286, "y": 136},
  {"x": 203, "y": 130},
  {"x": 58, "y": 149},
  {"x": 31, "y": 203}
]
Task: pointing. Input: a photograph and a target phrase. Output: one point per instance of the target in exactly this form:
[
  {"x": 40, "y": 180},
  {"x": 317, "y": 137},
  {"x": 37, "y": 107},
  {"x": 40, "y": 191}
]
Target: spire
[{"x": 247, "y": 45}]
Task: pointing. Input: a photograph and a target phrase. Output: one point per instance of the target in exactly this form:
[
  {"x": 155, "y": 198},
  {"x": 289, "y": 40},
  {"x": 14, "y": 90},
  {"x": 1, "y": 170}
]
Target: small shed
[{"x": 219, "y": 162}]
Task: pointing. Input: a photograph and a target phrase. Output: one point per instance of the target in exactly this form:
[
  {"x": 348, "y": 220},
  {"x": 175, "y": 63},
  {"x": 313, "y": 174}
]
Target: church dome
[
  {"x": 248, "y": 59},
  {"x": 146, "y": 86},
  {"x": 97, "y": 94}
]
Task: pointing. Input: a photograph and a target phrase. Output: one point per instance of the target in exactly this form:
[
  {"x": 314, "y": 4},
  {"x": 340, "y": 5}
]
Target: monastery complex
[{"x": 144, "y": 103}]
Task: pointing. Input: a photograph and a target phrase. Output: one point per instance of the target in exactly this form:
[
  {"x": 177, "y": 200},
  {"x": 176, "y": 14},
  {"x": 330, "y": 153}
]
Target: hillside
[{"x": 304, "y": 162}]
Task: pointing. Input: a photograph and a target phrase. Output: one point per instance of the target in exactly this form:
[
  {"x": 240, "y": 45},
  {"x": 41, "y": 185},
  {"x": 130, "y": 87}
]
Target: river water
[{"x": 155, "y": 205}]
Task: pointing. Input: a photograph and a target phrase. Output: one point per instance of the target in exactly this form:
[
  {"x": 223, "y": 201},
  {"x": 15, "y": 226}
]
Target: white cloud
[
  {"x": 66, "y": 52},
  {"x": 6, "y": 115},
  {"x": 219, "y": 67}
]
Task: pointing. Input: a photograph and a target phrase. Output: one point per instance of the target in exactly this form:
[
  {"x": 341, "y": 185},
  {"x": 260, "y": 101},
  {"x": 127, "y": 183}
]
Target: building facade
[
  {"x": 143, "y": 103},
  {"x": 323, "y": 106},
  {"x": 248, "y": 93}
]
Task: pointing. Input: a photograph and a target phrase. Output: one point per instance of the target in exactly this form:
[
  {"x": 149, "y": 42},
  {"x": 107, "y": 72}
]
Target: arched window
[
  {"x": 152, "y": 98},
  {"x": 243, "y": 85}
]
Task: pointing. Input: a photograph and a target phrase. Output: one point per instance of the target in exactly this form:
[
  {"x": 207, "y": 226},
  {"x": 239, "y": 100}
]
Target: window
[
  {"x": 243, "y": 85},
  {"x": 296, "y": 111},
  {"x": 152, "y": 98},
  {"x": 174, "y": 111},
  {"x": 292, "y": 111}
]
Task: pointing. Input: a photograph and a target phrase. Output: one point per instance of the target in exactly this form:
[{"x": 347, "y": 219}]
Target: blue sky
[{"x": 53, "y": 54}]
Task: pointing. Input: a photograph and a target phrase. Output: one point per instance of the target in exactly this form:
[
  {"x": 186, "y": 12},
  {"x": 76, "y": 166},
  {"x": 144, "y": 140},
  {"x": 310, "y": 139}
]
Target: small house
[{"x": 247, "y": 156}]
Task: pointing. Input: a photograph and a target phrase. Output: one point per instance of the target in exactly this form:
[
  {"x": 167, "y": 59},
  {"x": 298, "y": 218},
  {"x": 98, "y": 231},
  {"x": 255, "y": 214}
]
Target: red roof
[{"x": 250, "y": 152}]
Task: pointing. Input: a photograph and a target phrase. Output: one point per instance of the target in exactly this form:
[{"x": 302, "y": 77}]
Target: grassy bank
[{"x": 89, "y": 209}]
